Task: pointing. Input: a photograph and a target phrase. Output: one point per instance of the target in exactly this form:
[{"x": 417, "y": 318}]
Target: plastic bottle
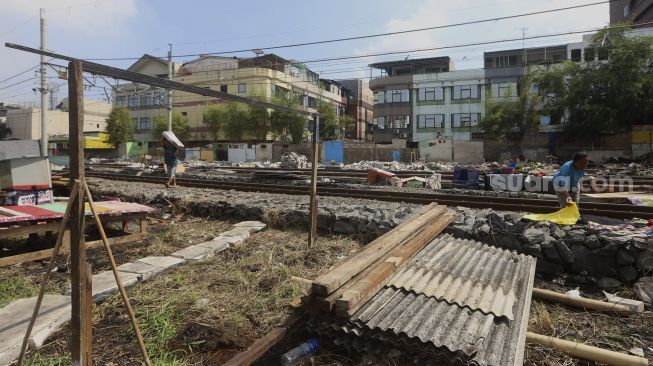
[{"x": 300, "y": 353}]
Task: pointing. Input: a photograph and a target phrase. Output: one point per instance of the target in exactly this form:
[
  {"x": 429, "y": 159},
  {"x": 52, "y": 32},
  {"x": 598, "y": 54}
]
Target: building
[
  {"x": 634, "y": 11},
  {"x": 25, "y": 123},
  {"x": 359, "y": 99},
  {"x": 263, "y": 77},
  {"x": 143, "y": 101}
]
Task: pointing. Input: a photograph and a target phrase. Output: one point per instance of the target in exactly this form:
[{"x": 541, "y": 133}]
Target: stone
[
  {"x": 343, "y": 227},
  {"x": 483, "y": 230},
  {"x": 645, "y": 260},
  {"x": 232, "y": 240},
  {"x": 144, "y": 270},
  {"x": 533, "y": 235},
  {"x": 643, "y": 287},
  {"x": 566, "y": 254},
  {"x": 216, "y": 245},
  {"x": 592, "y": 242},
  {"x": 546, "y": 267},
  {"x": 14, "y": 318},
  {"x": 587, "y": 261},
  {"x": 623, "y": 258},
  {"x": 608, "y": 283},
  {"x": 243, "y": 232},
  {"x": 638, "y": 243},
  {"x": 628, "y": 273},
  {"x": 557, "y": 232},
  {"x": 253, "y": 226},
  {"x": 193, "y": 252},
  {"x": 164, "y": 262},
  {"x": 575, "y": 237},
  {"x": 372, "y": 227},
  {"x": 104, "y": 283}
]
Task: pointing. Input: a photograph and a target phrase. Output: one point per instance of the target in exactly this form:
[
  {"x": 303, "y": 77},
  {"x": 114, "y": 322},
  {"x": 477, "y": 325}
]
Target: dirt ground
[{"x": 204, "y": 313}]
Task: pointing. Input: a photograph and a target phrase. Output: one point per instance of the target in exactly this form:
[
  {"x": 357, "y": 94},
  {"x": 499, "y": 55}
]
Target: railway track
[{"x": 498, "y": 203}]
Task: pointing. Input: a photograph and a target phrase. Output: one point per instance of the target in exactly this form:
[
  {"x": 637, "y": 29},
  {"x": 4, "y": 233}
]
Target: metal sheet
[{"x": 466, "y": 273}]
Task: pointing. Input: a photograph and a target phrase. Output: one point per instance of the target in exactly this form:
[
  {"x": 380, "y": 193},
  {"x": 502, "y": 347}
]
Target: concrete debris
[
  {"x": 644, "y": 289},
  {"x": 634, "y": 305},
  {"x": 104, "y": 283},
  {"x": 292, "y": 160}
]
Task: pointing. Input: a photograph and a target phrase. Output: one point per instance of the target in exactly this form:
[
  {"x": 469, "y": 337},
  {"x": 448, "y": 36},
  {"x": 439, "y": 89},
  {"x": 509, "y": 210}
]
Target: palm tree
[{"x": 5, "y": 131}]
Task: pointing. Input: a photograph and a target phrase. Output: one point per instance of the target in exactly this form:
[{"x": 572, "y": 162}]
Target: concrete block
[
  {"x": 193, "y": 252},
  {"x": 104, "y": 283},
  {"x": 217, "y": 245},
  {"x": 635, "y": 306},
  {"x": 237, "y": 231},
  {"x": 14, "y": 318},
  {"x": 166, "y": 262},
  {"x": 232, "y": 240},
  {"x": 253, "y": 226},
  {"x": 143, "y": 270}
]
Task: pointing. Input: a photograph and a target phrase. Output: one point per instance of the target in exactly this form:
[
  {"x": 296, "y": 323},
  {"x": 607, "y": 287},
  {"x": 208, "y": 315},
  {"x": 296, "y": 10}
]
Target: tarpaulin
[{"x": 566, "y": 216}]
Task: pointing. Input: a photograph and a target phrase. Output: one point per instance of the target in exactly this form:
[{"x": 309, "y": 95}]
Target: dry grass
[{"x": 204, "y": 313}]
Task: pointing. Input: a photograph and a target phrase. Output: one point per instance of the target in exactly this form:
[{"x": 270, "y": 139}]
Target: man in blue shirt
[{"x": 566, "y": 181}]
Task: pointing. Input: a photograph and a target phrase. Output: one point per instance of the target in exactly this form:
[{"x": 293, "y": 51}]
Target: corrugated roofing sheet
[
  {"x": 418, "y": 325},
  {"x": 466, "y": 273}
]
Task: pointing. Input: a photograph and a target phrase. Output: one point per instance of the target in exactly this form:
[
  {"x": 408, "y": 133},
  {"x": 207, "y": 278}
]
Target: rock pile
[{"x": 292, "y": 160}]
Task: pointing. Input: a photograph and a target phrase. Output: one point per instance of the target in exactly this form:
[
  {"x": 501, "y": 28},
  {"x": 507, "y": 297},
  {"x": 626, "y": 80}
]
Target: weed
[
  {"x": 16, "y": 287},
  {"x": 38, "y": 359}
]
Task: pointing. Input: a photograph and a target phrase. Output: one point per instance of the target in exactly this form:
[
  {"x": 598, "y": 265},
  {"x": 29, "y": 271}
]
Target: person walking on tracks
[{"x": 170, "y": 151}]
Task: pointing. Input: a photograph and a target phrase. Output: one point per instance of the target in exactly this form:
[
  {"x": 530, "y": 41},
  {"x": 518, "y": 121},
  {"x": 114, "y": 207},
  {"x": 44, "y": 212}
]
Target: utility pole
[
  {"x": 312, "y": 230},
  {"x": 170, "y": 90},
  {"x": 44, "y": 91}
]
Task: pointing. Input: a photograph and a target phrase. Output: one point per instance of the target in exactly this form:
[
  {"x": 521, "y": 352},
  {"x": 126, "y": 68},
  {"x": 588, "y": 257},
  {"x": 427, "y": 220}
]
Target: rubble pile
[{"x": 292, "y": 160}]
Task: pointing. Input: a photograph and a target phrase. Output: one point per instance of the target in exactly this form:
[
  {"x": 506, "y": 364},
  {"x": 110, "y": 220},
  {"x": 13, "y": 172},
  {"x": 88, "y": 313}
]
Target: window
[
  {"x": 242, "y": 88},
  {"x": 589, "y": 54},
  {"x": 97, "y": 125},
  {"x": 603, "y": 53},
  {"x": 465, "y": 119},
  {"x": 184, "y": 114},
  {"x": 223, "y": 88},
  {"x": 398, "y": 121},
  {"x": 466, "y": 91},
  {"x": 132, "y": 100},
  {"x": 489, "y": 62},
  {"x": 379, "y": 97},
  {"x": 145, "y": 123},
  {"x": 575, "y": 55},
  {"x": 504, "y": 90},
  {"x": 379, "y": 121},
  {"x": 146, "y": 99},
  {"x": 398, "y": 95},
  {"x": 121, "y": 101},
  {"x": 435, "y": 93},
  {"x": 430, "y": 120}
]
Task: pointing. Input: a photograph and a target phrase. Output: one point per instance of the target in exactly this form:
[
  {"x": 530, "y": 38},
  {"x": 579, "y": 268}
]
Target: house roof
[
  {"x": 144, "y": 59},
  {"x": 412, "y": 62}
]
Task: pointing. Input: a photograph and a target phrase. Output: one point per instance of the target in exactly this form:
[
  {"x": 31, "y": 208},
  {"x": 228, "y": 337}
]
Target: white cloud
[{"x": 88, "y": 17}]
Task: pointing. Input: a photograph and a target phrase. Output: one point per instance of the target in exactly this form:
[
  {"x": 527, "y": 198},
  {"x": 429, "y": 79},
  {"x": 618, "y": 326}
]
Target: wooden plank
[
  {"x": 364, "y": 288},
  {"x": 29, "y": 229},
  {"x": 327, "y": 304},
  {"x": 47, "y": 253},
  {"x": 258, "y": 348},
  {"x": 347, "y": 269},
  {"x": 580, "y": 302}
]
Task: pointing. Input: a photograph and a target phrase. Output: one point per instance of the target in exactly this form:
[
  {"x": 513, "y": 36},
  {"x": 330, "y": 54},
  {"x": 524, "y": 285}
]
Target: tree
[
  {"x": 5, "y": 131},
  {"x": 236, "y": 118},
  {"x": 511, "y": 118},
  {"x": 214, "y": 118},
  {"x": 119, "y": 126},
  {"x": 329, "y": 128},
  {"x": 179, "y": 126},
  {"x": 258, "y": 122},
  {"x": 348, "y": 124},
  {"x": 603, "y": 96},
  {"x": 284, "y": 124}
]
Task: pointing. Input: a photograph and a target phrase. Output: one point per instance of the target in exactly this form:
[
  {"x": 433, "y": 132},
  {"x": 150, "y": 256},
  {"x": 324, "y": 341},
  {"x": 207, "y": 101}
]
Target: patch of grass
[
  {"x": 16, "y": 287},
  {"x": 38, "y": 359}
]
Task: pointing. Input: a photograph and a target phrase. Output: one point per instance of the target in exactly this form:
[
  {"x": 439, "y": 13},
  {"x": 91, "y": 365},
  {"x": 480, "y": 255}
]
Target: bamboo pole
[
  {"x": 586, "y": 352},
  {"x": 580, "y": 302},
  {"x": 48, "y": 271},
  {"x": 114, "y": 268}
]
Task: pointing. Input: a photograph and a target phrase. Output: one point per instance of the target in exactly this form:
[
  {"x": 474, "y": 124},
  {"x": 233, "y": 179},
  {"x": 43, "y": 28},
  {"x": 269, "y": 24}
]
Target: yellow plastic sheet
[{"x": 566, "y": 216}]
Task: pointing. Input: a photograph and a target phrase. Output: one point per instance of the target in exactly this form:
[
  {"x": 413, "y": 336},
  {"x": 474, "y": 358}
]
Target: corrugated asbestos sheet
[
  {"x": 466, "y": 273},
  {"x": 457, "y": 302}
]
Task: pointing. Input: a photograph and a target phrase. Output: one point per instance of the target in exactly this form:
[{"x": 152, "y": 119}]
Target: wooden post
[
  {"x": 312, "y": 231},
  {"x": 79, "y": 316}
]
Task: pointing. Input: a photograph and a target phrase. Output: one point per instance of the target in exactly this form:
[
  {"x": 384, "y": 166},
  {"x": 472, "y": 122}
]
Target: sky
[{"x": 105, "y": 29}]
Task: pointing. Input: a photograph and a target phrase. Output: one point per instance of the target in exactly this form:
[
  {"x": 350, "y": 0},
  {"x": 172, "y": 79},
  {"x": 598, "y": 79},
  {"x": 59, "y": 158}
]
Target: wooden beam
[
  {"x": 79, "y": 318},
  {"x": 580, "y": 302},
  {"x": 312, "y": 230},
  {"x": 258, "y": 348},
  {"x": 364, "y": 288},
  {"x": 350, "y": 267},
  {"x": 29, "y": 229}
]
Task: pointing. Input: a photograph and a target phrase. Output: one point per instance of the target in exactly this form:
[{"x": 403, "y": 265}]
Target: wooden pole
[
  {"x": 580, "y": 302},
  {"x": 312, "y": 233},
  {"x": 46, "y": 275},
  {"x": 586, "y": 352},
  {"x": 116, "y": 274},
  {"x": 79, "y": 316}
]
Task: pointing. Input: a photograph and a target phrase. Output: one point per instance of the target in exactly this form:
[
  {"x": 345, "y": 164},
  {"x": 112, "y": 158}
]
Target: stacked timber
[{"x": 354, "y": 281}]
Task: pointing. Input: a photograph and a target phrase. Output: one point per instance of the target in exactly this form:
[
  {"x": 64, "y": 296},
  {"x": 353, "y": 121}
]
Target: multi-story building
[
  {"x": 634, "y": 11},
  {"x": 392, "y": 95},
  {"x": 143, "y": 101},
  {"x": 359, "y": 101},
  {"x": 262, "y": 77}
]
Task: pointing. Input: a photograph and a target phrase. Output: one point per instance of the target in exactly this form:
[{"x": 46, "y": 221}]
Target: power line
[
  {"x": 17, "y": 83},
  {"x": 20, "y": 73},
  {"x": 368, "y": 36}
]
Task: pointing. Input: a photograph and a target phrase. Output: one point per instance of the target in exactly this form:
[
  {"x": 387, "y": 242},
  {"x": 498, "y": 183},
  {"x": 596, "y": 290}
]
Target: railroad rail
[{"x": 623, "y": 211}]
